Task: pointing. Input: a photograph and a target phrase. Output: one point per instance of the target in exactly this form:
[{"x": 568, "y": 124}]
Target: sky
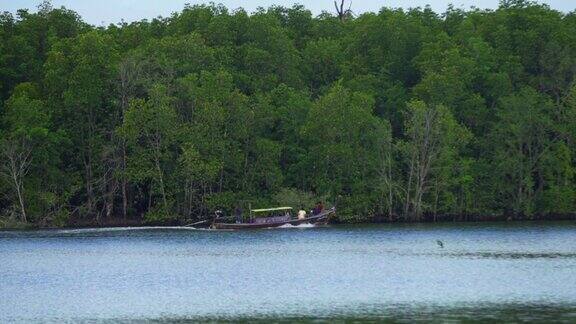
[{"x": 104, "y": 12}]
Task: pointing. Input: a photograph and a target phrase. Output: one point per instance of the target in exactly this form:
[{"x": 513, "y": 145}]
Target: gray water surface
[{"x": 506, "y": 272}]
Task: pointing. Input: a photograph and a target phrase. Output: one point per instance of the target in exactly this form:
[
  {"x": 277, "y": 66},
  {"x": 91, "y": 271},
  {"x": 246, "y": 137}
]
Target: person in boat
[
  {"x": 318, "y": 208},
  {"x": 301, "y": 213},
  {"x": 238, "y": 214}
]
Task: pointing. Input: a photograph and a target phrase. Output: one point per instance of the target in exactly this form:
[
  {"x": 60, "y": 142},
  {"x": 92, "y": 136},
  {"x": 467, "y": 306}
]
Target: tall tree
[
  {"x": 433, "y": 140},
  {"x": 151, "y": 129},
  {"x": 81, "y": 71},
  {"x": 522, "y": 138},
  {"x": 342, "y": 135},
  {"x": 27, "y": 149}
]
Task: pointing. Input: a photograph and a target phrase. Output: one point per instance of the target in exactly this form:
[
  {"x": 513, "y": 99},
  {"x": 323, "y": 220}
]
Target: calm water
[{"x": 509, "y": 272}]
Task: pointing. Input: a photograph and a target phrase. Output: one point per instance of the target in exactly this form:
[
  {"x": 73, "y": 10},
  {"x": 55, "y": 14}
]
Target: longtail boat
[{"x": 273, "y": 217}]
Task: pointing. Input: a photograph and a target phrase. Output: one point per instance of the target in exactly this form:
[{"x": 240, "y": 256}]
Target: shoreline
[{"x": 428, "y": 219}]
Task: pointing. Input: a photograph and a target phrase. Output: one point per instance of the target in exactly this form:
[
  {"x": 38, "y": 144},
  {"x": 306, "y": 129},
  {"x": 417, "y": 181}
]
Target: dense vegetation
[{"x": 401, "y": 114}]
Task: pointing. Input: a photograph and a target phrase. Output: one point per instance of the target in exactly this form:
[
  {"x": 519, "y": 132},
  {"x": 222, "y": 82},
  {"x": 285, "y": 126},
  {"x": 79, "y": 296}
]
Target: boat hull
[{"x": 321, "y": 218}]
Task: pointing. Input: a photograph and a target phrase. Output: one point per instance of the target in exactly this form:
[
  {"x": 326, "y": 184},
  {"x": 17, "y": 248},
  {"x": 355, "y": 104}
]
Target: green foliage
[
  {"x": 400, "y": 114},
  {"x": 296, "y": 198},
  {"x": 343, "y": 138},
  {"x": 522, "y": 138},
  {"x": 151, "y": 131},
  {"x": 433, "y": 158},
  {"x": 30, "y": 154}
]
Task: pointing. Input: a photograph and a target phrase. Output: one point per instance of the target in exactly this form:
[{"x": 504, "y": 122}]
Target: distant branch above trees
[{"x": 342, "y": 14}]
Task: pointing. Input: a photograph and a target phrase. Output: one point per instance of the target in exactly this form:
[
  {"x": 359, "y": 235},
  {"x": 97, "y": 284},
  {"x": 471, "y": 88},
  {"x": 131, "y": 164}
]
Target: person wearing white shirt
[{"x": 301, "y": 214}]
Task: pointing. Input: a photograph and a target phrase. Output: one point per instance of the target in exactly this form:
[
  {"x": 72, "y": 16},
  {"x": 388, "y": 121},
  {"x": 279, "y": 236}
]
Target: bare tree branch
[
  {"x": 342, "y": 14},
  {"x": 17, "y": 157}
]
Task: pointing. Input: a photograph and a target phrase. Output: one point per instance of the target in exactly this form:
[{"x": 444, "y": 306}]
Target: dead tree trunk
[
  {"x": 109, "y": 183},
  {"x": 342, "y": 13},
  {"x": 17, "y": 158},
  {"x": 129, "y": 74},
  {"x": 424, "y": 147}
]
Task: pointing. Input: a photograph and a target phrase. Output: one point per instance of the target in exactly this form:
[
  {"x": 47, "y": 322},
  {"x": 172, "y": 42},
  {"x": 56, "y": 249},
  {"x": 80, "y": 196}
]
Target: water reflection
[
  {"x": 512, "y": 255},
  {"x": 410, "y": 313}
]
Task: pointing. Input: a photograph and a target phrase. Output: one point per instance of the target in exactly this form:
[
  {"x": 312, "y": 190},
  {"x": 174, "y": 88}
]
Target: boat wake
[
  {"x": 122, "y": 229},
  {"x": 297, "y": 226},
  {"x": 152, "y": 228}
]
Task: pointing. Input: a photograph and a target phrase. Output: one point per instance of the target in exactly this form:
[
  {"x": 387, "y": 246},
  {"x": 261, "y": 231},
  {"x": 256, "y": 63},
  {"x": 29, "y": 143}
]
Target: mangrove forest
[{"x": 396, "y": 115}]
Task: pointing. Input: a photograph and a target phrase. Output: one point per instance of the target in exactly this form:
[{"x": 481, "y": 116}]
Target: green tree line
[{"x": 405, "y": 115}]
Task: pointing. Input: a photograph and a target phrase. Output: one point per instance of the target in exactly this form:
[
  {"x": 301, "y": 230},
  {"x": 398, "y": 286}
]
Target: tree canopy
[{"x": 399, "y": 115}]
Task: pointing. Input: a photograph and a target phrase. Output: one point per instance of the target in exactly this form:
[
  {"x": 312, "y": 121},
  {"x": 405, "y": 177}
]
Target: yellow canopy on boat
[{"x": 270, "y": 209}]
